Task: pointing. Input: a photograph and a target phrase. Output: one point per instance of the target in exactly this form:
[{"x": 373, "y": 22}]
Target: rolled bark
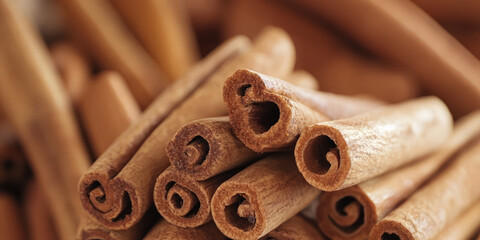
[
  {"x": 99, "y": 28},
  {"x": 261, "y": 197},
  {"x": 11, "y": 225},
  {"x": 352, "y": 212},
  {"x": 107, "y": 108},
  {"x": 338, "y": 154},
  {"x": 437, "y": 204},
  {"x": 165, "y": 230},
  {"x": 464, "y": 226},
  {"x": 184, "y": 201},
  {"x": 73, "y": 68},
  {"x": 338, "y": 67},
  {"x": 164, "y": 29},
  {"x": 117, "y": 192},
  {"x": 268, "y": 114},
  {"x": 38, "y": 216},
  {"x": 295, "y": 228},
  {"x": 207, "y": 147},
  {"x": 34, "y": 101},
  {"x": 403, "y": 33}
]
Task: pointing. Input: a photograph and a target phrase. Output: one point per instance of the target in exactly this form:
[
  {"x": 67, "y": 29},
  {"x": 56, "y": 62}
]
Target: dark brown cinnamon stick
[
  {"x": 117, "y": 192},
  {"x": 295, "y": 228},
  {"x": 13, "y": 166},
  {"x": 106, "y": 109},
  {"x": 451, "y": 11},
  {"x": 184, "y": 201},
  {"x": 38, "y": 216},
  {"x": 165, "y": 230},
  {"x": 11, "y": 225},
  {"x": 261, "y": 197},
  {"x": 402, "y": 32},
  {"x": 437, "y": 204},
  {"x": 207, "y": 147},
  {"x": 341, "y": 153},
  {"x": 268, "y": 114},
  {"x": 352, "y": 212},
  {"x": 89, "y": 229}
]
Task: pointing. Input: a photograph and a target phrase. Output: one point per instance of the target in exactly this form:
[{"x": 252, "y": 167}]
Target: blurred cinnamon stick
[
  {"x": 38, "y": 216},
  {"x": 352, "y": 212},
  {"x": 452, "y": 11},
  {"x": 165, "y": 230},
  {"x": 464, "y": 226},
  {"x": 100, "y": 29},
  {"x": 164, "y": 29},
  {"x": 11, "y": 224},
  {"x": 402, "y": 32},
  {"x": 107, "y": 108},
  {"x": 34, "y": 101},
  {"x": 13, "y": 165}
]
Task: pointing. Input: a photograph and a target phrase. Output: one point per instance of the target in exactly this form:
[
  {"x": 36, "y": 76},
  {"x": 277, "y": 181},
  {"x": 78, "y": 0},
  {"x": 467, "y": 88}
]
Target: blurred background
[{"x": 111, "y": 53}]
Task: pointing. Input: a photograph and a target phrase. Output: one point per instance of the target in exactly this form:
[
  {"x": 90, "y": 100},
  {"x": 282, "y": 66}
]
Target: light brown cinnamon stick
[
  {"x": 437, "y": 204},
  {"x": 72, "y": 67},
  {"x": 338, "y": 67},
  {"x": 405, "y": 34},
  {"x": 100, "y": 29},
  {"x": 164, "y": 29},
  {"x": 40, "y": 113},
  {"x": 11, "y": 225},
  {"x": 352, "y": 212},
  {"x": 207, "y": 147},
  {"x": 184, "y": 201},
  {"x": 261, "y": 197},
  {"x": 268, "y": 114},
  {"x": 127, "y": 187},
  {"x": 165, "y": 230},
  {"x": 38, "y": 216},
  {"x": 107, "y": 108},
  {"x": 295, "y": 228},
  {"x": 341, "y": 153},
  {"x": 464, "y": 226}
]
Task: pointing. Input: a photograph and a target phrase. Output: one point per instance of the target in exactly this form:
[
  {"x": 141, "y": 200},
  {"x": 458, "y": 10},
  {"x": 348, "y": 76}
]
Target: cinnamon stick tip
[{"x": 390, "y": 230}]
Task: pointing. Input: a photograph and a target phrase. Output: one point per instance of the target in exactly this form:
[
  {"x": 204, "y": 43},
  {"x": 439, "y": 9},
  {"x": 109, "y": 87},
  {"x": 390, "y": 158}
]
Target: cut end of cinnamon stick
[
  {"x": 181, "y": 200},
  {"x": 201, "y": 148},
  {"x": 346, "y": 214},
  {"x": 390, "y": 230},
  {"x": 321, "y": 157},
  {"x": 237, "y": 212}
]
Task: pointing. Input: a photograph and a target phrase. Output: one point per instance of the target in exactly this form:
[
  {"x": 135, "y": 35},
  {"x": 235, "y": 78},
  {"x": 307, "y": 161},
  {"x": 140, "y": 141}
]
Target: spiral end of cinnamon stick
[
  {"x": 390, "y": 230},
  {"x": 181, "y": 200},
  {"x": 237, "y": 212},
  {"x": 260, "y": 119},
  {"x": 346, "y": 214},
  {"x": 322, "y": 158},
  {"x": 111, "y": 202}
]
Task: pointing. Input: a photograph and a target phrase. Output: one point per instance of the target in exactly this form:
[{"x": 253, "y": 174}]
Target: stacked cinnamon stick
[{"x": 117, "y": 128}]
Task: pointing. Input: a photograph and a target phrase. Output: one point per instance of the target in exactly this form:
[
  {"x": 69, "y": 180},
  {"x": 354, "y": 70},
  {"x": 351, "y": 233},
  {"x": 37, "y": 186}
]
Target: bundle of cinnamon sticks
[{"x": 239, "y": 120}]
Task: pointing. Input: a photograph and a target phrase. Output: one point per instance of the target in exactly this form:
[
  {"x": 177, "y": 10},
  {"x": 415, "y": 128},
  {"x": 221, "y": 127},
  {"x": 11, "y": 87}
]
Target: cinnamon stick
[
  {"x": 338, "y": 154},
  {"x": 303, "y": 79},
  {"x": 338, "y": 67},
  {"x": 450, "y": 11},
  {"x": 117, "y": 192},
  {"x": 295, "y": 228},
  {"x": 464, "y": 226},
  {"x": 352, "y": 212},
  {"x": 38, "y": 216},
  {"x": 267, "y": 114},
  {"x": 99, "y": 28},
  {"x": 107, "y": 108},
  {"x": 40, "y": 113},
  {"x": 184, "y": 201},
  {"x": 164, "y": 29},
  {"x": 261, "y": 197},
  {"x": 405, "y": 34},
  {"x": 72, "y": 67},
  {"x": 207, "y": 147},
  {"x": 11, "y": 225},
  {"x": 89, "y": 229},
  {"x": 437, "y": 204},
  {"x": 165, "y": 230}
]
